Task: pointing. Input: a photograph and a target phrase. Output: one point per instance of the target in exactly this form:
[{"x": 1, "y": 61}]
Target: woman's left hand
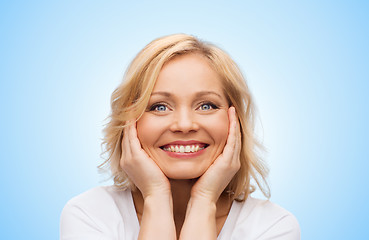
[
  {"x": 200, "y": 221},
  {"x": 213, "y": 182}
]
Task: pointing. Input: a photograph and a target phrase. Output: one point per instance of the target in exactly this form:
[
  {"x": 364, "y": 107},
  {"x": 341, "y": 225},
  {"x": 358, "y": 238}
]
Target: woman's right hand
[
  {"x": 157, "y": 220},
  {"x": 139, "y": 167}
]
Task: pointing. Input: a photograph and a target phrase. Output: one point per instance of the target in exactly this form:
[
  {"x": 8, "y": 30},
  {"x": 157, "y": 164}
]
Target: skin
[{"x": 182, "y": 196}]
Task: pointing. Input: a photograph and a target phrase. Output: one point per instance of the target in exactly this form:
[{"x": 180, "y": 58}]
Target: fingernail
[{"x": 234, "y": 110}]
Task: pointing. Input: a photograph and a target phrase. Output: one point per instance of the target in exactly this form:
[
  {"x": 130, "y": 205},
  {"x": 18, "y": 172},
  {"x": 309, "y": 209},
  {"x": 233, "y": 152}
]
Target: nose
[{"x": 184, "y": 121}]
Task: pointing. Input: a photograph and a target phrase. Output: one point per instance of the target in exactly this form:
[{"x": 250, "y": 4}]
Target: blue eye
[
  {"x": 205, "y": 107},
  {"x": 208, "y": 106},
  {"x": 158, "y": 108}
]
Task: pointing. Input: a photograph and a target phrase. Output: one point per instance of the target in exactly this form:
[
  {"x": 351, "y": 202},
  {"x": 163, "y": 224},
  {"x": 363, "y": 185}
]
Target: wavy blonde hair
[{"x": 131, "y": 97}]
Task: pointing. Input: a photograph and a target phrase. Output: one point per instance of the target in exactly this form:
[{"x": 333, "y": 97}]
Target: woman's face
[{"x": 185, "y": 126}]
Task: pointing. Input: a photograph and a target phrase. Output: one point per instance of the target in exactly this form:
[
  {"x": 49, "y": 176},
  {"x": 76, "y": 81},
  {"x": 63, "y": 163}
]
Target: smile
[{"x": 184, "y": 148}]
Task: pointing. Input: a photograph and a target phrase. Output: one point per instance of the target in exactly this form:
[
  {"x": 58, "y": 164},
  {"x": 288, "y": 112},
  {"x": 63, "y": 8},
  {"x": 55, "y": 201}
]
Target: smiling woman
[
  {"x": 182, "y": 153},
  {"x": 180, "y": 119}
]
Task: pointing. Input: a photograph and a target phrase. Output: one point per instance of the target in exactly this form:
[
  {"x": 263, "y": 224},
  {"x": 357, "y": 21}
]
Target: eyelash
[
  {"x": 212, "y": 105},
  {"x": 154, "y": 107}
]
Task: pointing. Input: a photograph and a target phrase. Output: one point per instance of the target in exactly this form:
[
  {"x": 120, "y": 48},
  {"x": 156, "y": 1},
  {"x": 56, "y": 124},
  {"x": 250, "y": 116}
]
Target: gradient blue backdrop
[{"x": 306, "y": 63}]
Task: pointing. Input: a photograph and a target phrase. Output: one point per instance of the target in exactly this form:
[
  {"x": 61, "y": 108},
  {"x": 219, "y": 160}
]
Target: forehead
[{"x": 187, "y": 74}]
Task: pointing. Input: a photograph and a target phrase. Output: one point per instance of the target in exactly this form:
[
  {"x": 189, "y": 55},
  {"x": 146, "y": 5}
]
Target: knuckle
[
  {"x": 122, "y": 162},
  {"x": 236, "y": 165}
]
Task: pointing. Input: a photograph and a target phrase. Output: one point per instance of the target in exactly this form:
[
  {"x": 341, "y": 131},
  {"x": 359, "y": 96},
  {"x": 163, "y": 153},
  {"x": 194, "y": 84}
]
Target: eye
[
  {"x": 208, "y": 106},
  {"x": 159, "y": 107}
]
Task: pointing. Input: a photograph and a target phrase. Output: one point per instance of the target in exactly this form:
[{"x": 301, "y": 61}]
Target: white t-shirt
[{"x": 106, "y": 213}]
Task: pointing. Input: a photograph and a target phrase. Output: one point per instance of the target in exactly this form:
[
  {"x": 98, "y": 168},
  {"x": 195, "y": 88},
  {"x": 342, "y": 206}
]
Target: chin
[{"x": 184, "y": 174}]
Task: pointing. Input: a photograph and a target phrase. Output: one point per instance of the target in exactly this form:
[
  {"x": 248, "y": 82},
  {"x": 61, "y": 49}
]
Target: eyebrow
[
  {"x": 165, "y": 94},
  {"x": 198, "y": 94}
]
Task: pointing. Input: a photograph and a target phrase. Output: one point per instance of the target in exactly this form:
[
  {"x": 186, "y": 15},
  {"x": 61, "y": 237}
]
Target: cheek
[
  {"x": 149, "y": 129},
  {"x": 218, "y": 127},
  {"x": 223, "y": 127},
  {"x": 143, "y": 129}
]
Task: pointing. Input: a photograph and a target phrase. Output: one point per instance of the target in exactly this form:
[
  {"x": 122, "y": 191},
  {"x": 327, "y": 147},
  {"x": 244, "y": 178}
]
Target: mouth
[{"x": 184, "y": 147}]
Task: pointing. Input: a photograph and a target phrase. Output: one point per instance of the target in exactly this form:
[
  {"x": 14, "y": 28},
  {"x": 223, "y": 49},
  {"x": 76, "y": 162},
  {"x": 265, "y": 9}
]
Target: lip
[
  {"x": 189, "y": 142},
  {"x": 185, "y": 155}
]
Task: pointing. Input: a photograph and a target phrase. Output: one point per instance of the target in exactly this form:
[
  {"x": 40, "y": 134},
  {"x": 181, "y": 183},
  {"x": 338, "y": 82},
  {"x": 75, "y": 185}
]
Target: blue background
[{"x": 306, "y": 63}]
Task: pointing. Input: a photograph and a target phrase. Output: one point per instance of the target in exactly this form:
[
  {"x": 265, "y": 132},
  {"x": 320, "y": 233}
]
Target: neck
[{"x": 181, "y": 193}]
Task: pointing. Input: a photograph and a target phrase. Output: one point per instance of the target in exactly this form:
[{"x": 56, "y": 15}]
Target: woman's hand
[
  {"x": 200, "y": 221},
  {"x": 157, "y": 220},
  {"x": 139, "y": 167},
  {"x": 213, "y": 182}
]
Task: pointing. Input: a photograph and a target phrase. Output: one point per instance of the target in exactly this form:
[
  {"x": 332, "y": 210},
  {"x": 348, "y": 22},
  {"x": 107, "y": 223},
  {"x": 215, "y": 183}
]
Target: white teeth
[
  {"x": 193, "y": 148},
  {"x": 183, "y": 148},
  {"x": 187, "y": 148}
]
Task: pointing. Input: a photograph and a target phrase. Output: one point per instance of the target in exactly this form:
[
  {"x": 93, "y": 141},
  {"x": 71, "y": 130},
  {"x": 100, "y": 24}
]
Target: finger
[
  {"x": 234, "y": 147},
  {"x": 237, "y": 134},
  {"x": 231, "y": 139},
  {"x": 126, "y": 149},
  {"x": 238, "y": 142},
  {"x": 135, "y": 143},
  {"x": 132, "y": 133},
  {"x": 125, "y": 138},
  {"x": 235, "y": 120}
]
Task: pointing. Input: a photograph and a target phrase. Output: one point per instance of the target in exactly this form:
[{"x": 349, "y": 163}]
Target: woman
[{"x": 182, "y": 153}]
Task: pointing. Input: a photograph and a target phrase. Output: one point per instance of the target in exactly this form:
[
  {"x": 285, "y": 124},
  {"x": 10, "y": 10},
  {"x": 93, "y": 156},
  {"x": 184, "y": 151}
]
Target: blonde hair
[{"x": 131, "y": 97}]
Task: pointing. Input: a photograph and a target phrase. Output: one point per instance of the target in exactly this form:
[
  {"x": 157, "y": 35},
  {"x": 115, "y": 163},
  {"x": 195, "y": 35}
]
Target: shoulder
[
  {"x": 97, "y": 197},
  {"x": 101, "y": 202},
  {"x": 267, "y": 220},
  {"x": 95, "y": 213}
]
